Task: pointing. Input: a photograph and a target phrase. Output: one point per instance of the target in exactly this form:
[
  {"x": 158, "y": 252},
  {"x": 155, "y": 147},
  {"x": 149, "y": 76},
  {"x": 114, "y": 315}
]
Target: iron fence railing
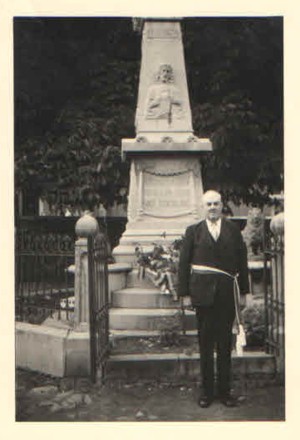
[
  {"x": 44, "y": 285},
  {"x": 98, "y": 305},
  {"x": 274, "y": 300}
]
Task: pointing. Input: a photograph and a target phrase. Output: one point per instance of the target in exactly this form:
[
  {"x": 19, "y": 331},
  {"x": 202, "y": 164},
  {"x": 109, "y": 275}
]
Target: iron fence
[
  {"x": 98, "y": 304},
  {"x": 274, "y": 300},
  {"x": 44, "y": 283}
]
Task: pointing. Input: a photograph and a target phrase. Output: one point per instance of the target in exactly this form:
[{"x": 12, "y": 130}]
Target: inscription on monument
[{"x": 166, "y": 195}]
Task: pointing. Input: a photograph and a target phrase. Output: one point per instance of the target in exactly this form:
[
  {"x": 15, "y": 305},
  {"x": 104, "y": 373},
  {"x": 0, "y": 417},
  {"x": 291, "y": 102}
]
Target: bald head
[
  {"x": 211, "y": 194},
  {"x": 212, "y": 204}
]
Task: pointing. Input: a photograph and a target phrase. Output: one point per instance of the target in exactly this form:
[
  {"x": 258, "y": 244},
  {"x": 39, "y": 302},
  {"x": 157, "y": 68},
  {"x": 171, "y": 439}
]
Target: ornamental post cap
[
  {"x": 87, "y": 225},
  {"x": 277, "y": 224}
]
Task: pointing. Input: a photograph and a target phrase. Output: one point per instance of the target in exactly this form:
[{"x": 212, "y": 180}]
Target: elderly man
[{"x": 212, "y": 255}]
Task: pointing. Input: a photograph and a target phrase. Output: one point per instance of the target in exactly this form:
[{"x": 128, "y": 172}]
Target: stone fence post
[{"x": 86, "y": 226}]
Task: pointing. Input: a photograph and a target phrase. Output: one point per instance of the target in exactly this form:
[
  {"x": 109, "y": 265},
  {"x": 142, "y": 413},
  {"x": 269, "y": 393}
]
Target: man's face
[
  {"x": 212, "y": 207},
  {"x": 165, "y": 74}
]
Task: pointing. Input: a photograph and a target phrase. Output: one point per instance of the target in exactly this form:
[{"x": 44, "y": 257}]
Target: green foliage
[
  {"x": 236, "y": 88},
  {"x": 92, "y": 97},
  {"x": 71, "y": 159},
  {"x": 170, "y": 328},
  {"x": 76, "y": 83},
  {"x": 254, "y": 319}
]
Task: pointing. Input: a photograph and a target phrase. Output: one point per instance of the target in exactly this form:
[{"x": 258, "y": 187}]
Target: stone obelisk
[{"x": 165, "y": 176}]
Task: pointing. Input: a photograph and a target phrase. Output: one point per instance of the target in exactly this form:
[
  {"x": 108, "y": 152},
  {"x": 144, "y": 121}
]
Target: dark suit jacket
[{"x": 228, "y": 253}]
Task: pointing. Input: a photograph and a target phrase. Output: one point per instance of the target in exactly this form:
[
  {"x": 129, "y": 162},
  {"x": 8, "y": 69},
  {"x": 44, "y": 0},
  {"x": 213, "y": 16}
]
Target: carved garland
[{"x": 166, "y": 174}]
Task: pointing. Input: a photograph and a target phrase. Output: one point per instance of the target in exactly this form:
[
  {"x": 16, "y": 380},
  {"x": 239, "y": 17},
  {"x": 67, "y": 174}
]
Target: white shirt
[{"x": 214, "y": 228}]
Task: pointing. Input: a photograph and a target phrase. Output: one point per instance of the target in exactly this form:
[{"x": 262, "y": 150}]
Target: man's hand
[
  {"x": 246, "y": 300},
  {"x": 186, "y": 301}
]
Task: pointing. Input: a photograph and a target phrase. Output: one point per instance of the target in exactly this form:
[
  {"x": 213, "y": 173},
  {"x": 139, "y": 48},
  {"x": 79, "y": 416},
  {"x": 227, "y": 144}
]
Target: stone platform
[
  {"x": 141, "y": 321},
  {"x": 174, "y": 367}
]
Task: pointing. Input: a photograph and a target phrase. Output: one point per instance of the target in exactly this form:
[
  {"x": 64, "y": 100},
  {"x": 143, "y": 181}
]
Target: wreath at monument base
[{"x": 160, "y": 266}]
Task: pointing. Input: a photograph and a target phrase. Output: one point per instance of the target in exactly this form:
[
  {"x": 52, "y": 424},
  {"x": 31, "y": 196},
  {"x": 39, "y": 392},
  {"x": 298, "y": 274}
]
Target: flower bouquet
[{"x": 161, "y": 266}]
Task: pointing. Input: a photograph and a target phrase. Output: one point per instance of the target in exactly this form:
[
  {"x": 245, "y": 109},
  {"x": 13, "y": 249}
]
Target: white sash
[{"x": 241, "y": 337}]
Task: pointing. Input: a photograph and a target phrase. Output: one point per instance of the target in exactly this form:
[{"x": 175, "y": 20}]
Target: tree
[
  {"x": 73, "y": 142},
  {"x": 236, "y": 86},
  {"x": 76, "y": 86}
]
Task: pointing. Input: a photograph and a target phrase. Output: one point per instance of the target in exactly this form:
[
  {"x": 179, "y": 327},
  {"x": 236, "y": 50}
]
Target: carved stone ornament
[
  {"x": 167, "y": 140},
  {"x": 253, "y": 233},
  {"x": 192, "y": 139},
  {"x": 141, "y": 139},
  {"x": 172, "y": 168},
  {"x": 163, "y": 100}
]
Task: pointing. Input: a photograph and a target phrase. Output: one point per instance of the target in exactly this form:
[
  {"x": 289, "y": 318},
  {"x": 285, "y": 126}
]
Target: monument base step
[
  {"x": 183, "y": 367},
  {"x": 141, "y": 297},
  {"x": 121, "y": 334},
  {"x": 154, "y": 341},
  {"x": 135, "y": 279},
  {"x": 142, "y": 342},
  {"x": 151, "y": 319}
]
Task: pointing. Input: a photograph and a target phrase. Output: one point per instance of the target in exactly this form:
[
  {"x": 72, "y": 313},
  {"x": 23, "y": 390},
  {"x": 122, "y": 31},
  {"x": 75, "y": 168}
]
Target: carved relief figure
[
  {"x": 253, "y": 233},
  {"x": 163, "y": 101}
]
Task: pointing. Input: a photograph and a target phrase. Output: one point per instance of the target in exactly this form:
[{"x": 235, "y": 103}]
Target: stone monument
[{"x": 165, "y": 176}]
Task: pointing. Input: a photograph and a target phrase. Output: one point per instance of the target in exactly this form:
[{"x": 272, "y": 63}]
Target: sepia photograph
[{"x": 149, "y": 218}]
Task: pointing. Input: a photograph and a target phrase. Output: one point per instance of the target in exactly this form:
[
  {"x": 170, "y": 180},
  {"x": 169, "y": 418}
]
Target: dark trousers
[{"x": 215, "y": 331}]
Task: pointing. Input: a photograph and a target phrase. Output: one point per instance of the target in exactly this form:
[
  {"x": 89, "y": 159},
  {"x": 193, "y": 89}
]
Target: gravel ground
[{"x": 44, "y": 398}]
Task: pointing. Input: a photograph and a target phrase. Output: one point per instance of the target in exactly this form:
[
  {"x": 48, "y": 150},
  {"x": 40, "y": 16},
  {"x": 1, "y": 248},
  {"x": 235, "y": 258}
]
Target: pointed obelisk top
[{"x": 163, "y": 114}]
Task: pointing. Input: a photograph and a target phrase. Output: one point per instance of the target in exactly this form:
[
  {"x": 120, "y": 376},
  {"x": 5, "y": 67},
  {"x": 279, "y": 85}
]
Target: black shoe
[
  {"x": 228, "y": 400},
  {"x": 205, "y": 401}
]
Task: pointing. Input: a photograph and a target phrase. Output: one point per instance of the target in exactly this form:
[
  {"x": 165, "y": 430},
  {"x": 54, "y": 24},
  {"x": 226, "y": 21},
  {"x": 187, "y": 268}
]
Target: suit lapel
[
  {"x": 224, "y": 232},
  {"x": 207, "y": 236}
]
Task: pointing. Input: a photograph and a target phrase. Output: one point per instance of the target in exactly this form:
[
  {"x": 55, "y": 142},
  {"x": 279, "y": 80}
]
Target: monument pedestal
[{"x": 164, "y": 198}]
